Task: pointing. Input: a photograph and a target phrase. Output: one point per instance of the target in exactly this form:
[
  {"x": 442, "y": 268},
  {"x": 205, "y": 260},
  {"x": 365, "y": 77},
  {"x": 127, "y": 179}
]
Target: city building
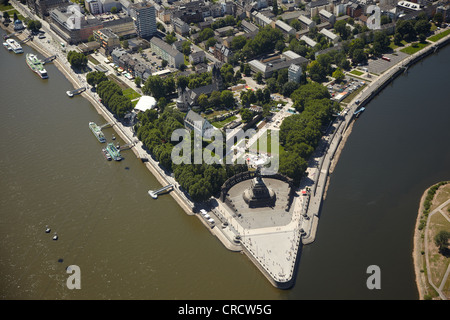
[
  {"x": 408, "y": 7},
  {"x": 187, "y": 98},
  {"x": 145, "y": 103},
  {"x": 180, "y": 27},
  {"x": 164, "y": 50},
  {"x": 72, "y": 26},
  {"x": 326, "y": 16},
  {"x": 306, "y": 22},
  {"x": 144, "y": 16},
  {"x": 93, "y": 6},
  {"x": 42, "y": 7},
  {"x": 248, "y": 26},
  {"x": 310, "y": 42},
  {"x": 294, "y": 73},
  {"x": 197, "y": 57},
  {"x": 194, "y": 121},
  {"x": 107, "y": 39},
  {"x": 122, "y": 26},
  {"x": 107, "y": 5},
  {"x": 283, "y": 61},
  {"x": 261, "y": 19},
  {"x": 334, "y": 38},
  {"x": 284, "y": 27}
]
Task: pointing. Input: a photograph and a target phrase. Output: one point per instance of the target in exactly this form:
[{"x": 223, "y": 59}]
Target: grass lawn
[
  {"x": 413, "y": 48},
  {"x": 4, "y": 8},
  {"x": 356, "y": 72},
  {"x": 130, "y": 93},
  {"x": 220, "y": 124},
  {"x": 349, "y": 98},
  {"x": 93, "y": 60},
  {"x": 439, "y": 36},
  {"x": 393, "y": 46}
]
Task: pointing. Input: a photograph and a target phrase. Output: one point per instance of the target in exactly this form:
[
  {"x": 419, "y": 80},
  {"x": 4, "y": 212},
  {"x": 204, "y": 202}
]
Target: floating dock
[
  {"x": 76, "y": 91},
  {"x": 154, "y": 194},
  {"x": 113, "y": 152}
]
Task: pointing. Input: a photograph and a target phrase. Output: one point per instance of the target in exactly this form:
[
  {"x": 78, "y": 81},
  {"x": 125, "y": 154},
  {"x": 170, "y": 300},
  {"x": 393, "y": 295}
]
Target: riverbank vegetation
[
  {"x": 201, "y": 181},
  {"x": 300, "y": 133},
  {"x": 432, "y": 254}
]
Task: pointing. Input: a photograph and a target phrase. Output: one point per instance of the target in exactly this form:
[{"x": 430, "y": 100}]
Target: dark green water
[{"x": 129, "y": 246}]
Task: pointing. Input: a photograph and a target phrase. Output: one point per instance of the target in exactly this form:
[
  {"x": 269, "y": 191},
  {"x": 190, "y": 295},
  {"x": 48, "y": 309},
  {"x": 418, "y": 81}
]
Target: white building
[
  {"x": 94, "y": 6},
  {"x": 145, "y": 103},
  {"x": 306, "y": 22},
  {"x": 310, "y": 42},
  {"x": 334, "y": 38},
  {"x": 144, "y": 16},
  {"x": 294, "y": 73}
]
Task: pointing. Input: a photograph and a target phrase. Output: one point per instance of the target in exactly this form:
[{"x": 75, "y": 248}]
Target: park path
[{"x": 444, "y": 279}]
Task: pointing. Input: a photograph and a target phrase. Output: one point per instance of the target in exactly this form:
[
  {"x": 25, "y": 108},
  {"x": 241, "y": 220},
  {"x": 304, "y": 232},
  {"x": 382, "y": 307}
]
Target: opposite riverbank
[{"x": 431, "y": 267}]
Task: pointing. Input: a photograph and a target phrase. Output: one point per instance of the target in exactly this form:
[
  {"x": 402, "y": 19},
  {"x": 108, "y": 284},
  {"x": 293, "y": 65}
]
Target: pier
[
  {"x": 50, "y": 59},
  {"x": 154, "y": 194},
  {"x": 106, "y": 125},
  {"x": 127, "y": 146},
  {"x": 76, "y": 91}
]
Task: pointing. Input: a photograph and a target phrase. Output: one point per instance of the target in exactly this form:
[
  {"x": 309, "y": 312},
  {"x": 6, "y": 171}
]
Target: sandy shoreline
[{"x": 417, "y": 249}]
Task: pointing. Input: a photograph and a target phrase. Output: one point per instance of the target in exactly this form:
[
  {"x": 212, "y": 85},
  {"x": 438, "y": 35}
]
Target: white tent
[{"x": 145, "y": 103}]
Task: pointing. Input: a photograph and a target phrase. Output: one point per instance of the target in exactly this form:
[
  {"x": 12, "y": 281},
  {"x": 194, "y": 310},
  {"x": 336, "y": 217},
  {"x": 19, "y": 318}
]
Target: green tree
[
  {"x": 96, "y": 77},
  {"x": 441, "y": 241},
  {"x": 113, "y": 10},
  {"x": 77, "y": 59},
  {"x": 275, "y": 7},
  {"x": 170, "y": 38},
  {"x": 138, "y": 81},
  {"x": 6, "y": 16},
  {"x": 227, "y": 99},
  {"x": 422, "y": 26},
  {"x": 338, "y": 75},
  {"x": 259, "y": 77},
  {"x": 34, "y": 25},
  {"x": 246, "y": 115},
  {"x": 186, "y": 48},
  {"x": 438, "y": 18},
  {"x": 381, "y": 42},
  {"x": 398, "y": 39}
]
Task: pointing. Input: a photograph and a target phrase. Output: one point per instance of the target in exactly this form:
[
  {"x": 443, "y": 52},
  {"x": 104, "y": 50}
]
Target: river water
[{"x": 129, "y": 246}]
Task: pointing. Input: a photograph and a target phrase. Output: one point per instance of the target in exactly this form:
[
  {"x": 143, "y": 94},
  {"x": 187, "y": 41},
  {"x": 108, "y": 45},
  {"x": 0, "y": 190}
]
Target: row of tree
[
  {"x": 113, "y": 98},
  {"x": 301, "y": 133}
]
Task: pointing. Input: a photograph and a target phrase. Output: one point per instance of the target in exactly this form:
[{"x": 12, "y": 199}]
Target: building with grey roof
[
  {"x": 248, "y": 26},
  {"x": 268, "y": 66},
  {"x": 334, "y": 38},
  {"x": 166, "y": 52},
  {"x": 310, "y": 42},
  {"x": 306, "y": 22}
]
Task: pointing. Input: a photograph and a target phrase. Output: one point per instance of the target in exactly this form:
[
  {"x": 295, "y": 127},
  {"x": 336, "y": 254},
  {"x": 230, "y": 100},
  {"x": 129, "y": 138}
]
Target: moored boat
[
  {"x": 14, "y": 46},
  {"x": 36, "y": 65},
  {"x": 114, "y": 153},
  {"x": 97, "y": 132},
  {"x": 106, "y": 154}
]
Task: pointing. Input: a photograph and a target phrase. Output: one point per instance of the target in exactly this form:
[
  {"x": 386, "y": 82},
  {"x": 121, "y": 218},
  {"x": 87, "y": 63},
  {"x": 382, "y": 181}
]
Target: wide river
[{"x": 129, "y": 246}]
